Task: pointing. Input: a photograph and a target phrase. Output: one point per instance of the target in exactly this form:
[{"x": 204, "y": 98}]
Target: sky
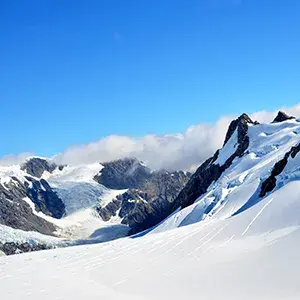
[{"x": 83, "y": 72}]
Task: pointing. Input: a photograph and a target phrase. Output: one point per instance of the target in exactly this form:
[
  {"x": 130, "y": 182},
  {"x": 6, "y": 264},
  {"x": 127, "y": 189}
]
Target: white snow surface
[
  {"x": 228, "y": 149},
  {"x": 7, "y": 172},
  {"x": 254, "y": 255},
  {"x": 230, "y": 244}
]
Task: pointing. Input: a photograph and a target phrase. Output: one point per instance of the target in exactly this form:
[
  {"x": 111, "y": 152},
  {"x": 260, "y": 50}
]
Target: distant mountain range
[
  {"x": 45, "y": 205},
  {"x": 80, "y": 202}
]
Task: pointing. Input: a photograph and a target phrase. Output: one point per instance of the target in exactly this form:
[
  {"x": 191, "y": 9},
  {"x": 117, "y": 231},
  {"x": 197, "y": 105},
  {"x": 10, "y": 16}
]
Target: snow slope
[
  {"x": 239, "y": 185},
  {"x": 253, "y": 255},
  {"x": 229, "y": 244}
]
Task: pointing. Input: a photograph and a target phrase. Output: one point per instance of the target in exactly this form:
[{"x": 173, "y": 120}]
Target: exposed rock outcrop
[
  {"x": 269, "y": 184},
  {"x": 37, "y": 166},
  {"x": 281, "y": 117},
  {"x": 123, "y": 174},
  {"x": 45, "y": 199},
  {"x": 16, "y": 213},
  {"x": 10, "y": 248},
  {"x": 110, "y": 210},
  {"x": 146, "y": 204},
  {"x": 156, "y": 195},
  {"x": 241, "y": 121},
  {"x": 209, "y": 172}
]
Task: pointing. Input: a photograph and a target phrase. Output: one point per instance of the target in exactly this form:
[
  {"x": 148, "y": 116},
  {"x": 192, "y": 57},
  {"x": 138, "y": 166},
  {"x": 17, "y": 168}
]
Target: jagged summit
[
  {"x": 245, "y": 118},
  {"x": 241, "y": 122},
  {"x": 235, "y": 145},
  {"x": 123, "y": 173},
  {"x": 36, "y": 166},
  {"x": 242, "y": 172},
  {"x": 281, "y": 117}
]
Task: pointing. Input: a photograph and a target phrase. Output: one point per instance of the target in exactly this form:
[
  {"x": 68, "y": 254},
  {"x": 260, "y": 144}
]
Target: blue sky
[{"x": 72, "y": 72}]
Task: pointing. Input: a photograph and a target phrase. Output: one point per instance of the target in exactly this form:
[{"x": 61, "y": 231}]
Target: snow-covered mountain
[
  {"x": 93, "y": 201},
  {"x": 233, "y": 233},
  {"x": 255, "y": 163}
]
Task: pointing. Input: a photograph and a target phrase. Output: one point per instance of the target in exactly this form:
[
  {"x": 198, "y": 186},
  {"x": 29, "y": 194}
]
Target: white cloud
[
  {"x": 13, "y": 159},
  {"x": 267, "y": 116},
  {"x": 173, "y": 151}
]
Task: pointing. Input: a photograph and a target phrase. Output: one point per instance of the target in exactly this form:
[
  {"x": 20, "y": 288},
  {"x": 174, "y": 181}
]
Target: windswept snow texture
[{"x": 254, "y": 255}]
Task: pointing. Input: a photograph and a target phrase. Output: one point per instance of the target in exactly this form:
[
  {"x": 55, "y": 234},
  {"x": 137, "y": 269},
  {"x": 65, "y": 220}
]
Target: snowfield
[
  {"x": 254, "y": 255},
  {"x": 229, "y": 244}
]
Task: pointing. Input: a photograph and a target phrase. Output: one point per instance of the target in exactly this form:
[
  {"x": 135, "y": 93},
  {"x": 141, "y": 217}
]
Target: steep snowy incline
[
  {"x": 239, "y": 187},
  {"x": 253, "y": 255}
]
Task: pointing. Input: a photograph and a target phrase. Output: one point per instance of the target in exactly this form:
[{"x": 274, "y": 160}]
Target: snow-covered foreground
[{"x": 252, "y": 255}]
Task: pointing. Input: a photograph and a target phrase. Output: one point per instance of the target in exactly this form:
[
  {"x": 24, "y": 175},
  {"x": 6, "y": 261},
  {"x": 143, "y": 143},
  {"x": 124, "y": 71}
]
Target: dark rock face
[
  {"x": 130, "y": 200},
  {"x": 243, "y": 119},
  {"x": 45, "y": 199},
  {"x": 110, "y": 210},
  {"x": 16, "y": 213},
  {"x": 281, "y": 117},
  {"x": 142, "y": 212},
  {"x": 149, "y": 202},
  {"x": 270, "y": 183},
  {"x": 10, "y": 248},
  {"x": 209, "y": 172},
  {"x": 37, "y": 166},
  {"x": 123, "y": 174},
  {"x": 153, "y": 202}
]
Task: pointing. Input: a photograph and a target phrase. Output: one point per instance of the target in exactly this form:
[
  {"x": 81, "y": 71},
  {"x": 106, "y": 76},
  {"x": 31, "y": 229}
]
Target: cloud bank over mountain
[
  {"x": 14, "y": 159},
  {"x": 185, "y": 150}
]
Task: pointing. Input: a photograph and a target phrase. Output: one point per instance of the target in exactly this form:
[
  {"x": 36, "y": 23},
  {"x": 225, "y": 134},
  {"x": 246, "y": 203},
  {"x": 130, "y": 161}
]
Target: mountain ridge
[
  {"x": 253, "y": 154},
  {"x": 65, "y": 201}
]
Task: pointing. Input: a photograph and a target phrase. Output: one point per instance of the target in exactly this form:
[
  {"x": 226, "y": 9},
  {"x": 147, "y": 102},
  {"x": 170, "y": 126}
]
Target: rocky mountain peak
[
  {"x": 281, "y": 117},
  {"x": 123, "y": 173},
  {"x": 241, "y": 122},
  {"x": 36, "y": 166},
  {"x": 211, "y": 169},
  {"x": 45, "y": 198},
  {"x": 149, "y": 195},
  {"x": 16, "y": 213}
]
